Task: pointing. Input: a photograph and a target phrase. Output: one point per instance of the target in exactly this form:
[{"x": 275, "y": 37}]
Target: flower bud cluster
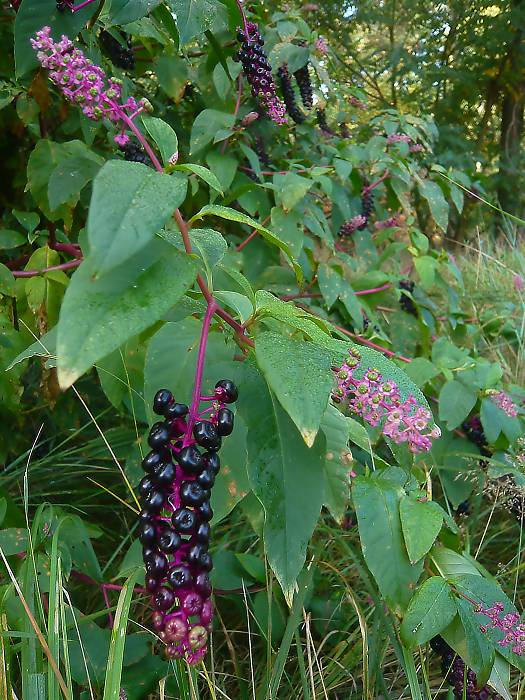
[
  {"x": 504, "y": 401},
  {"x": 379, "y": 402},
  {"x": 509, "y": 624}
]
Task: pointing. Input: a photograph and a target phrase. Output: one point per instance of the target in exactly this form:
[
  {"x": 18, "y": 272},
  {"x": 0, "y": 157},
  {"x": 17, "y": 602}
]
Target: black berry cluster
[
  {"x": 405, "y": 302},
  {"x": 304, "y": 84},
  {"x": 260, "y": 150},
  {"x": 367, "y": 204},
  {"x": 322, "y": 123},
  {"x": 119, "y": 55},
  {"x": 174, "y": 526},
  {"x": 63, "y": 5},
  {"x": 289, "y": 95},
  {"x": 474, "y": 432},
  {"x": 258, "y": 71},
  {"x": 134, "y": 153},
  {"x": 462, "y": 679}
]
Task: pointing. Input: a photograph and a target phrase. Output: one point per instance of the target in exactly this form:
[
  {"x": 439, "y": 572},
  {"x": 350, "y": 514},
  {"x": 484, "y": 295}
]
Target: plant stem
[
  {"x": 383, "y": 177},
  {"x": 143, "y": 142},
  {"x": 81, "y": 5},
  {"x": 244, "y": 22},
  {"x": 197, "y": 384},
  {"x": 251, "y": 236},
  {"x": 35, "y": 273}
]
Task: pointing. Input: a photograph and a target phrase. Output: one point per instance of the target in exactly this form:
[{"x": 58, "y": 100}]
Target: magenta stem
[
  {"x": 108, "y": 606},
  {"x": 197, "y": 385},
  {"x": 81, "y": 5},
  {"x": 132, "y": 127},
  {"x": 244, "y": 21},
  {"x": 384, "y": 176},
  {"x": 69, "y": 248},
  {"x": 373, "y": 290},
  {"x": 35, "y": 273}
]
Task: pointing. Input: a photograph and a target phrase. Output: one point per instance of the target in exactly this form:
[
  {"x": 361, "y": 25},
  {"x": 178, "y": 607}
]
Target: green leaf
[
  {"x": 376, "y": 501},
  {"x": 13, "y": 540},
  {"x": 456, "y": 401},
  {"x": 421, "y": 522},
  {"x": 164, "y": 136},
  {"x": 11, "y": 239},
  {"x": 500, "y": 677},
  {"x": 130, "y": 203},
  {"x": 494, "y": 420},
  {"x": 203, "y": 173},
  {"x": 78, "y": 166},
  {"x": 43, "y": 347},
  {"x": 421, "y": 371},
  {"x": 431, "y": 609},
  {"x": 480, "y": 650},
  {"x": 234, "y": 215},
  {"x": 298, "y": 373},
  {"x": 335, "y": 427},
  {"x": 206, "y": 125},
  {"x": 439, "y": 208},
  {"x": 290, "y": 189},
  {"x": 118, "y": 640},
  {"x": 232, "y": 482},
  {"x": 32, "y": 15},
  {"x": 287, "y": 477},
  {"x": 7, "y": 281},
  {"x": 125, "y": 11},
  {"x": 194, "y": 17},
  {"x": 115, "y": 308},
  {"x": 43, "y": 160}
]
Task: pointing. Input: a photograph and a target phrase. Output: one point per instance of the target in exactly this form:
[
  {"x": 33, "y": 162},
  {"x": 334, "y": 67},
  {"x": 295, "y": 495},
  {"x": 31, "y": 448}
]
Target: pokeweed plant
[{"x": 298, "y": 285}]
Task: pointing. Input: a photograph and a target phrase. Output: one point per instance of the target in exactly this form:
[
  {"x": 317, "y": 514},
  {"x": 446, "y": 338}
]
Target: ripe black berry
[
  {"x": 164, "y": 473},
  {"x": 322, "y": 123},
  {"x": 260, "y": 150},
  {"x": 63, "y": 5},
  {"x": 203, "y": 533},
  {"x": 184, "y": 521},
  {"x": 147, "y": 533},
  {"x": 189, "y": 459},
  {"x": 305, "y": 86},
  {"x": 206, "y": 434},
  {"x": 151, "y": 583},
  {"x": 134, "y": 153},
  {"x": 226, "y": 390},
  {"x": 405, "y": 302},
  {"x": 289, "y": 95},
  {"x": 162, "y": 400},
  {"x": 210, "y": 460},
  {"x": 202, "y": 584},
  {"x": 206, "y": 562},
  {"x": 145, "y": 486},
  {"x": 169, "y": 540},
  {"x": 159, "y": 436},
  {"x": 206, "y": 478},
  {"x": 119, "y": 55},
  {"x": 224, "y": 422},
  {"x": 156, "y": 564},
  {"x": 164, "y": 598},
  {"x": 154, "y": 501},
  {"x": 176, "y": 410},
  {"x": 152, "y": 460},
  {"x": 179, "y": 576},
  {"x": 145, "y": 517},
  {"x": 205, "y": 511},
  {"x": 192, "y": 493},
  {"x": 367, "y": 205},
  {"x": 195, "y": 554}
]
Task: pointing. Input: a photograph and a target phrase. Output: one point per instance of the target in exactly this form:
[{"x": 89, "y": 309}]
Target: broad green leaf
[
  {"x": 232, "y": 482},
  {"x": 376, "y": 501},
  {"x": 335, "y": 427},
  {"x": 439, "y": 208},
  {"x": 13, "y": 540},
  {"x": 11, "y": 239},
  {"x": 43, "y": 160},
  {"x": 287, "y": 477},
  {"x": 234, "y": 215},
  {"x": 421, "y": 522},
  {"x": 421, "y": 371},
  {"x": 500, "y": 677},
  {"x": 130, "y": 203},
  {"x": 456, "y": 401},
  {"x": 77, "y": 166},
  {"x": 32, "y": 15},
  {"x": 206, "y": 126},
  {"x": 290, "y": 189},
  {"x": 331, "y": 283},
  {"x": 43, "y": 347},
  {"x": 240, "y": 303},
  {"x": 450, "y": 564},
  {"x": 205, "y": 174},
  {"x": 268, "y": 305},
  {"x": 194, "y": 17},
  {"x": 7, "y": 281},
  {"x": 164, "y": 136},
  {"x": 114, "y": 308},
  {"x": 494, "y": 421},
  {"x": 125, "y": 11},
  {"x": 480, "y": 649},
  {"x": 299, "y": 375},
  {"x": 431, "y": 609}
]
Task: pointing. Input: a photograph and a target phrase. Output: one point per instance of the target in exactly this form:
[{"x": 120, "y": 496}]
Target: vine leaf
[{"x": 431, "y": 609}]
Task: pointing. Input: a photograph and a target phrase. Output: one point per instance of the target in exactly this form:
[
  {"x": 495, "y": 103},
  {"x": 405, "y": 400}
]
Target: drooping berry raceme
[
  {"x": 504, "y": 401},
  {"x": 119, "y": 55},
  {"x": 260, "y": 150},
  {"x": 304, "y": 84},
  {"x": 322, "y": 123},
  {"x": 356, "y": 223},
  {"x": 174, "y": 524},
  {"x": 398, "y": 138},
  {"x": 367, "y": 203},
  {"x": 509, "y": 624},
  {"x": 85, "y": 84},
  {"x": 134, "y": 153},
  {"x": 258, "y": 71},
  {"x": 378, "y": 402},
  {"x": 391, "y": 222},
  {"x": 406, "y": 302},
  {"x": 289, "y": 95},
  {"x": 463, "y": 680}
]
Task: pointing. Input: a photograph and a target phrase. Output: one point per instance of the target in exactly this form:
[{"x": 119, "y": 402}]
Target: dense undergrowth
[{"x": 356, "y": 546}]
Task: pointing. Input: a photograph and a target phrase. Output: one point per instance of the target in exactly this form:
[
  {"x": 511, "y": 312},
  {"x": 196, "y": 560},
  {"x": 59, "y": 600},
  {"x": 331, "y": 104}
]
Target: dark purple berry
[
  {"x": 322, "y": 123},
  {"x": 179, "y": 576},
  {"x": 305, "y": 86},
  {"x": 205, "y": 511},
  {"x": 145, "y": 517},
  {"x": 164, "y": 599},
  {"x": 154, "y": 501},
  {"x": 147, "y": 533},
  {"x": 152, "y": 460},
  {"x": 224, "y": 422},
  {"x": 169, "y": 540},
  {"x": 121, "y": 56},
  {"x": 156, "y": 564},
  {"x": 202, "y": 585},
  {"x": 206, "y": 435},
  {"x": 162, "y": 400},
  {"x": 206, "y": 478},
  {"x": 184, "y": 521},
  {"x": 159, "y": 435},
  {"x": 192, "y": 604},
  {"x": 210, "y": 460},
  {"x": 405, "y": 301},
  {"x": 206, "y": 562},
  {"x": 289, "y": 95},
  {"x": 176, "y": 410},
  {"x": 189, "y": 459},
  {"x": 151, "y": 583},
  {"x": 226, "y": 390},
  {"x": 133, "y": 153},
  {"x": 164, "y": 474},
  {"x": 195, "y": 554},
  {"x": 145, "y": 486},
  {"x": 192, "y": 493},
  {"x": 203, "y": 533}
]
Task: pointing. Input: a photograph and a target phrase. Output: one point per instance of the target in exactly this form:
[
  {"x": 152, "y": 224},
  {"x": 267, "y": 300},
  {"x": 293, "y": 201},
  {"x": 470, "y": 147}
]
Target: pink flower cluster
[
  {"x": 379, "y": 401},
  {"x": 353, "y": 225},
  {"x": 398, "y": 138},
  {"x": 387, "y": 223},
  {"x": 84, "y": 83},
  {"x": 321, "y": 46},
  {"x": 416, "y": 148},
  {"x": 503, "y": 401},
  {"x": 509, "y": 624},
  {"x": 355, "y": 102}
]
